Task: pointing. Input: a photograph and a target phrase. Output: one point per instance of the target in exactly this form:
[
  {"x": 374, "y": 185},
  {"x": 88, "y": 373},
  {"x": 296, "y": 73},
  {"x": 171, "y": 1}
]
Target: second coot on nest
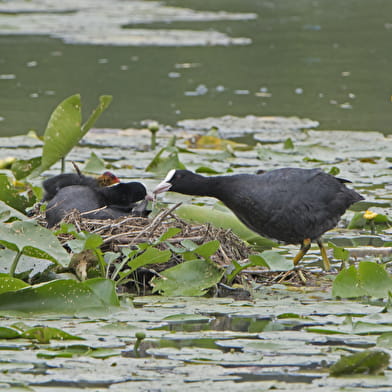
[
  {"x": 53, "y": 184},
  {"x": 111, "y": 202},
  {"x": 292, "y": 205}
]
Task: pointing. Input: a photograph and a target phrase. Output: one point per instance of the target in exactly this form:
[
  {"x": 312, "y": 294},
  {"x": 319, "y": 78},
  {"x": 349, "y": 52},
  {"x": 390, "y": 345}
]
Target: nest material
[{"x": 130, "y": 231}]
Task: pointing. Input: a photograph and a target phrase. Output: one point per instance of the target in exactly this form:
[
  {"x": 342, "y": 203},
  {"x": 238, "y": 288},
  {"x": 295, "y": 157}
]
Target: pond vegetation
[{"x": 76, "y": 305}]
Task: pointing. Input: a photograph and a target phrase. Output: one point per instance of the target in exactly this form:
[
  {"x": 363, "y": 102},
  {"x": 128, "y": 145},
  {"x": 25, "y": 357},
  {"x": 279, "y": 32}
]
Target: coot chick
[
  {"x": 110, "y": 203},
  {"x": 53, "y": 184},
  {"x": 292, "y": 205}
]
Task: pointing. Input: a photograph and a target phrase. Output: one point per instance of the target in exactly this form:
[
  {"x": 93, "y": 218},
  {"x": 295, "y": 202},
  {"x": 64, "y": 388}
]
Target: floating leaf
[
  {"x": 45, "y": 334},
  {"x": 9, "y": 333},
  {"x": 192, "y": 278},
  {"x": 7, "y": 283},
  {"x": 61, "y": 296},
  {"x": 365, "y": 362}
]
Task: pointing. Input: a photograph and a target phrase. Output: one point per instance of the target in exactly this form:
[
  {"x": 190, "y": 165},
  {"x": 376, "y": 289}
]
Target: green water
[{"x": 326, "y": 60}]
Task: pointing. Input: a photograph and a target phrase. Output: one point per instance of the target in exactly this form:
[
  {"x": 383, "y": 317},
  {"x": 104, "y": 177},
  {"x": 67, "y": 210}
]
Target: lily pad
[{"x": 61, "y": 296}]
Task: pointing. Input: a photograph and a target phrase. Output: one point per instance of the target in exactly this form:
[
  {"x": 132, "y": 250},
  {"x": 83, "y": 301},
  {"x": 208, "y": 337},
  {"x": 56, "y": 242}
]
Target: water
[{"x": 321, "y": 59}]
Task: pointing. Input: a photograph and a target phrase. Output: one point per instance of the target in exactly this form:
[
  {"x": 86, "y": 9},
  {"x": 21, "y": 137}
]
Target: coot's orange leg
[
  {"x": 327, "y": 265},
  {"x": 302, "y": 252}
]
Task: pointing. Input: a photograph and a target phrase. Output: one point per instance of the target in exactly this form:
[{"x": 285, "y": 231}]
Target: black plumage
[
  {"x": 290, "y": 204},
  {"x": 53, "y": 184},
  {"x": 111, "y": 202}
]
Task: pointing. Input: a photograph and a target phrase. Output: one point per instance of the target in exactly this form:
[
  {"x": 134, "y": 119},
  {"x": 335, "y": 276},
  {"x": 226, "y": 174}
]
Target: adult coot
[
  {"x": 53, "y": 184},
  {"x": 110, "y": 203},
  {"x": 289, "y": 204}
]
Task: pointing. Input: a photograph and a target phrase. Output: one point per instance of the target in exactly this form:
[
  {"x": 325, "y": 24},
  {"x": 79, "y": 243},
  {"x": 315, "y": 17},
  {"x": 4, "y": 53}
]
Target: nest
[{"x": 127, "y": 232}]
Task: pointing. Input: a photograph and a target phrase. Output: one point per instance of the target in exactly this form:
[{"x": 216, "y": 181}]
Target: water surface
[{"x": 326, "y": 60}]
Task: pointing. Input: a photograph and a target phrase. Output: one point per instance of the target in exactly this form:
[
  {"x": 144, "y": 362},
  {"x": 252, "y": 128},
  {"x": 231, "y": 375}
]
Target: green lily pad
[
  {"x": 61, "y": 296},
  {"x": 9, "y": 333},
  {"x": 7, "y": 283},
  {"x": 45, "y": 334},
  {"x": 365, "y": 362}
]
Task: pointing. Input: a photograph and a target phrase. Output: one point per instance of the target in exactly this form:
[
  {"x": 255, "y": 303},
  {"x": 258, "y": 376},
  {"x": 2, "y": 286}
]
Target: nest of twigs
[{"x": 129, "y": 231}]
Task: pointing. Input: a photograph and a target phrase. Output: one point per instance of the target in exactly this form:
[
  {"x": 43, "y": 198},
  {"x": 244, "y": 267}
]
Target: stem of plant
[
  {"x": 15, "y": 263},
  {"x": 153, "y": 128},
  {"x": 62, "y": 164},
  {"x": 139, "y": 336}
]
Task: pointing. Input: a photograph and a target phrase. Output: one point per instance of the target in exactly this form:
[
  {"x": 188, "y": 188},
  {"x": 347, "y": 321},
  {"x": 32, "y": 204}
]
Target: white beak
[{"x": 162, "y": 187}]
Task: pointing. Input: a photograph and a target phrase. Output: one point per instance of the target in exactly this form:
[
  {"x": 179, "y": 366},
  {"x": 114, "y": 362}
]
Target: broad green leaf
[
  {"x": 150, "y": 256},
  {"x": 9, "y": 333},
  {"x": 347, "y": 285},
  {"x": 94, "y": 164},
  {"x": 93, "y": 241},
  {"x": 59, "y": 296},
  {"x": 339, "y": 253},
  {"x": 8, "y": 213},
  {"x": 161, "y": 165},
  {"x": 33, "y": 240},
  {"x": 10, "y": 195},
  {"x": 170, "y": 232},
  {"x": 206, "y": 170},
  {"x": 374, "y": 279},
  {"x": 64, "y": 129},
  {"x": 191, "y": 278},
  {"x": 225, "y": 220},
  {"x": 104, "y": 289},
  {"x": 45, "y": 334},
  {"x": 21, "y": 168},
  {"x": 257, "y": 260},
  {"x": 62, "y": 132},
  {"x": 207, "y": 249},
  {"x": 104, "y": 102},
  {"x": 275, "y": 261},
  {"x": 369, "y": 279},
  {"x": 7, "y": 283}
]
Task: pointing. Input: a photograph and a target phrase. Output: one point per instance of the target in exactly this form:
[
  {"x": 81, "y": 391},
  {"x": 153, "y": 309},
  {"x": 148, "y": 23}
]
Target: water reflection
[{"x": 325, "y": 60}]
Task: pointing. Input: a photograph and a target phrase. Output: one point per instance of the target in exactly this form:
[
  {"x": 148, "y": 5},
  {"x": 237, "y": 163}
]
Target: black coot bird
[
  {"x": 290, "y": 204},
  {"x": 111, "y": 202},
  {"x": 53, "y": 184}
]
